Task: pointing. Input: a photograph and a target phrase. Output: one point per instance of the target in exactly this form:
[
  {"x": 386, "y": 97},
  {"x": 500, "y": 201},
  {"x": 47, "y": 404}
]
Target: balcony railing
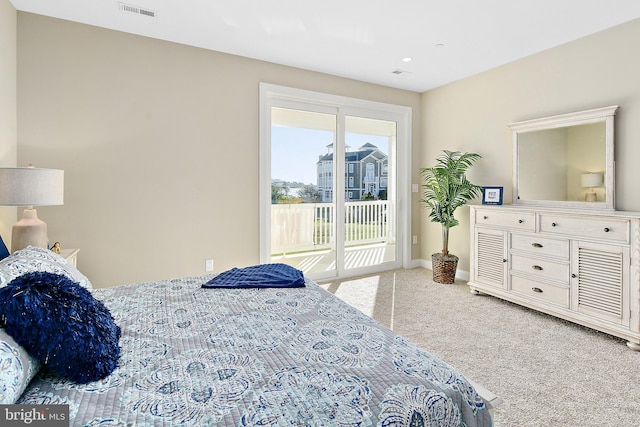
[{"x": 310, "y": 226}]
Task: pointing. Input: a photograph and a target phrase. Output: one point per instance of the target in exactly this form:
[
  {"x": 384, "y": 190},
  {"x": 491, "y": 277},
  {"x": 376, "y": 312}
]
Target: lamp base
[
  {"x": 591, "y": 196},
  {"x": 30, "y": 230}
]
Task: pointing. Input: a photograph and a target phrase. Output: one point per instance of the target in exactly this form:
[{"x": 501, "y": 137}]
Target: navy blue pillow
[
  {"x": 61, "y": 325},
  {"x": 4, "y": 252}
]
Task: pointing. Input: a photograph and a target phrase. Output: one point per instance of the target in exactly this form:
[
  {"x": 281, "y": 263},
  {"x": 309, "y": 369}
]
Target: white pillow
[
  {"x": 17, "y": 368},
  {"x": 32, "y": 259}
]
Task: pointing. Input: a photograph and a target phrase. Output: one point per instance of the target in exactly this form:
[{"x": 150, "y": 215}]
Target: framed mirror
[{"x": 565, "y": 160}]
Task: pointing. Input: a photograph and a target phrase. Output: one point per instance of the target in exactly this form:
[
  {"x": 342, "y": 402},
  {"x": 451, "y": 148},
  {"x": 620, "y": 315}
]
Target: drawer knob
[
  {"x": 606, "y": 229},
  {"x": 536, "y": 245},
  {"x": 537, "y": 290},
  {"x": 537, "y": 267},
  {"x": 574, "y": 275},
  {"x": 485, "y": 217},
  {"x": 553, "y": 224},
  {"x": 520, "y": 221}
]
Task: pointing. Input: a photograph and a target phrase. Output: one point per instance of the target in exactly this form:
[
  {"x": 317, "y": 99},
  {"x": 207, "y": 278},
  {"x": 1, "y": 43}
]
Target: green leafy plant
[{"x": 446, "y": 188}]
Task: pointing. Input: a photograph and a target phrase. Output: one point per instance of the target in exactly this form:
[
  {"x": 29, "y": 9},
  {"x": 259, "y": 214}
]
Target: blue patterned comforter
[{"x": 265, "y": 356}]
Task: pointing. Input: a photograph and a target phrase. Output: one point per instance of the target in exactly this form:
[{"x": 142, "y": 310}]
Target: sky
[{"x": 295, "y": 151}]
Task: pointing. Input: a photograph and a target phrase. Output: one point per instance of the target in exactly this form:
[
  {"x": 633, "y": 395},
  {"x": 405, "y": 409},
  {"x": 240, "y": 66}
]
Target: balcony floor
[{"x": 355, "y": 257}]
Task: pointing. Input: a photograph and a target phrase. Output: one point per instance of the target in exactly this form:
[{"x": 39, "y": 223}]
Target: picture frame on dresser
[{"x": 492, "y": 195}]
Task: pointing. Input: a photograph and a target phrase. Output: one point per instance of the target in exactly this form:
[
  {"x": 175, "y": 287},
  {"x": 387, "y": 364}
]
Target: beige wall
[
  {"x": 8, "y": 100},
  {"x": 159, "y": 143},
  {"x": 472, "y": 114}
]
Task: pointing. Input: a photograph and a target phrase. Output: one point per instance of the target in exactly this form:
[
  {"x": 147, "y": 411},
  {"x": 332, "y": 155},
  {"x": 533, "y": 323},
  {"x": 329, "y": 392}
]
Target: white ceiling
[{"x": 359, "y": 39}]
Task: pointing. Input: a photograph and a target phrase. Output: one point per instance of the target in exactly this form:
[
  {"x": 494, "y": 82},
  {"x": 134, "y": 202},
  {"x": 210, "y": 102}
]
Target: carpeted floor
[{"x": 549, "y": 372}]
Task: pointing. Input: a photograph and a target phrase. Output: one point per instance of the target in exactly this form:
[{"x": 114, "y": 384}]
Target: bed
[{"x": 285, "y": 356}]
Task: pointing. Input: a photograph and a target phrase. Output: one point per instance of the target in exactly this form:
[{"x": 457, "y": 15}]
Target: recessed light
[
  {"x": 439, "y": 45},
  {"x": 407, "y": 59}
]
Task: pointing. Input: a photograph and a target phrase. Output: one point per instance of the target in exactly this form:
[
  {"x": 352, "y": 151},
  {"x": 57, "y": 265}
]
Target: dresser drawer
[
  {"x": 534, "y": 244},
  {"x": 557, "y": 295},
  {"x": 514, "y": 220},
  {"x": 611, "y": 229},
  {"x": 540, "y": 268}
]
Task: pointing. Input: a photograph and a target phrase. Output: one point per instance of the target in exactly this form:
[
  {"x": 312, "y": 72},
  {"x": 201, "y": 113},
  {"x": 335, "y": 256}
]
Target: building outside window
[{"x": 367, "y": 164}]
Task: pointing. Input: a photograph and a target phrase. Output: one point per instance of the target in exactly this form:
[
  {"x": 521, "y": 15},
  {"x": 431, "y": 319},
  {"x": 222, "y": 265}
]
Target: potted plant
[{"x": 446, "y": 188}]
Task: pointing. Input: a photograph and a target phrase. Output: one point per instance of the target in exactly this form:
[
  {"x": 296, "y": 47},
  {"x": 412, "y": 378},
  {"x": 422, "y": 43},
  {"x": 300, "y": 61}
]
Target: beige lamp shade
[
  {"x": 30, "y": 187},
  {"x": 591, "y": 180}
]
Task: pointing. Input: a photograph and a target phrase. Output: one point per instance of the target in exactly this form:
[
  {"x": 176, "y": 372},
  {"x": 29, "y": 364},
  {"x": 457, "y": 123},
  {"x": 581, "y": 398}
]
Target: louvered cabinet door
[
  {"x": 490, "y": 257},
  {"x": 600, "y": 281}
]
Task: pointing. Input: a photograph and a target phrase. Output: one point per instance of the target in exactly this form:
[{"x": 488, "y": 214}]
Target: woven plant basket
[{"x": 444, "y": 268}]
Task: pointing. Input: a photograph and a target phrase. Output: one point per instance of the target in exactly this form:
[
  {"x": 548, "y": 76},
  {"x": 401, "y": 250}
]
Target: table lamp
[
  {"x": 30, "y": 187},
  {"x": 591, "y": 180}
]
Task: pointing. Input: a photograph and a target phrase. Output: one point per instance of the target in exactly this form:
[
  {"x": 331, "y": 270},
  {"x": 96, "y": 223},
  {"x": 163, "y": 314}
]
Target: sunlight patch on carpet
[{"x": 360, "y": 293}]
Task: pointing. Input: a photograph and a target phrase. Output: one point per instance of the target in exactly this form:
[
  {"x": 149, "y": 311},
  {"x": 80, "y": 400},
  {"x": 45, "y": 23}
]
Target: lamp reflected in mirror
[{"x": 591, "y": 180}]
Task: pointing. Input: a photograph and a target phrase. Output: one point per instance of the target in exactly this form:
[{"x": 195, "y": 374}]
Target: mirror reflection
[
  {"x": 565, "y": 161},
  {"x": 563, "y": 164}
]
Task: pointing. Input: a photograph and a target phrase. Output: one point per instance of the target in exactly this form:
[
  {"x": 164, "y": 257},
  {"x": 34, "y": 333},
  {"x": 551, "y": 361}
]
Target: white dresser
[{"x": 578, "y": 265}]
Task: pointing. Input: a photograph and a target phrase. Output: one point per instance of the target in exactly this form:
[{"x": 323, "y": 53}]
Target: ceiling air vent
[{"x": 135, "y": 9}]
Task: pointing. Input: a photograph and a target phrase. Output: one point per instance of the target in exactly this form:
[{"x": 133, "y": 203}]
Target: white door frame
[{"x": 282, "y": 96}]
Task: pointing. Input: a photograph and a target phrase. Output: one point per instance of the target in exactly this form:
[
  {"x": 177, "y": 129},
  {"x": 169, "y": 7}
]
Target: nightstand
[{"x": 71, "y": 255}]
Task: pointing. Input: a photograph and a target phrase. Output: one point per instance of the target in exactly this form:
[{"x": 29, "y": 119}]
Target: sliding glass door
[
  {"x": 302, "y": 207},
  {"x": 369, "y": 236},
  {"x": 332, "y": 205}
]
